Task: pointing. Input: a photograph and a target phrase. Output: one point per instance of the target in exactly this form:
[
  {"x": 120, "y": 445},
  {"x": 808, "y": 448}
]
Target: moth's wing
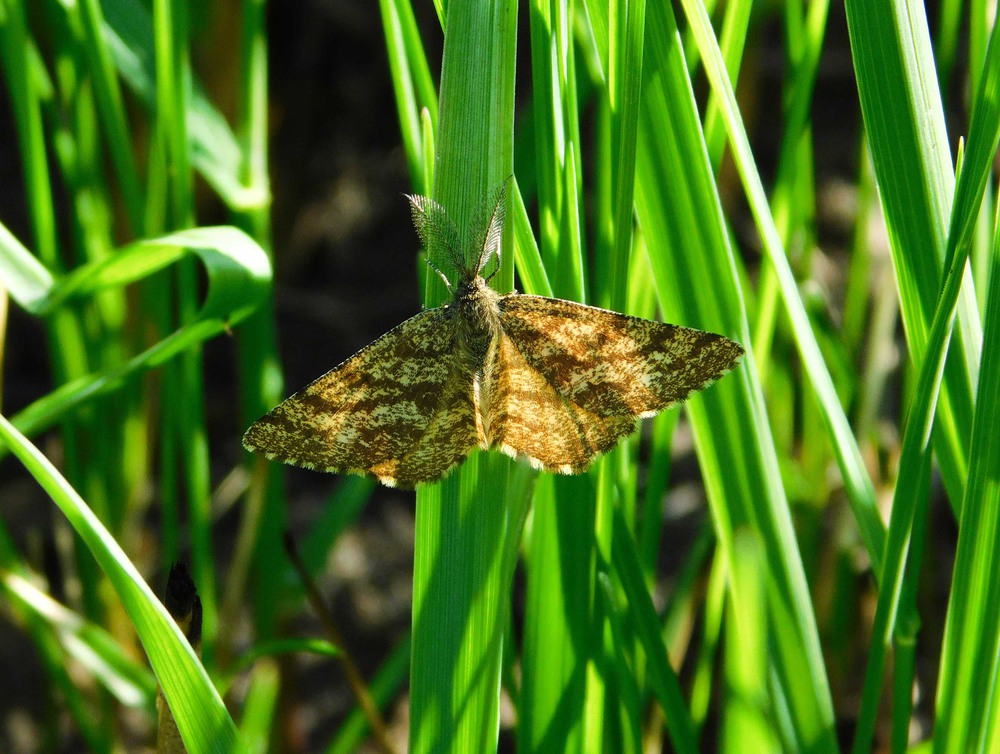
[
  {"x": 398, "y": 410},
  {"x": 609, "y": 363},
  {"x": 524, "y": 415}
]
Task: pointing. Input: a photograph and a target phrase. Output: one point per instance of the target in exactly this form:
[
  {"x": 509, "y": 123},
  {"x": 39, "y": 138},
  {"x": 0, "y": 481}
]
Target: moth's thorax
[{"x": 478, "y": 319}]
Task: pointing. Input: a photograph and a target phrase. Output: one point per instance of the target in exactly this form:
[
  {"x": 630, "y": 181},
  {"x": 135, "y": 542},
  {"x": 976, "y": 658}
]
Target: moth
[{"x": 554, "y": 382}]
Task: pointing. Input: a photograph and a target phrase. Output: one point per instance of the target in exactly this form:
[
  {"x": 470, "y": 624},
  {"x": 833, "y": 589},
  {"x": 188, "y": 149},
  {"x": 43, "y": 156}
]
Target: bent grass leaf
[
  {"x": 238, "y": 274},
  {"x": 201, "y": 715}
]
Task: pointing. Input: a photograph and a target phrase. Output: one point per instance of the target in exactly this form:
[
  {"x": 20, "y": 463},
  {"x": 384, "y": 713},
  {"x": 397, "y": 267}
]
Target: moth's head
[{"x": 470, "y": 254}]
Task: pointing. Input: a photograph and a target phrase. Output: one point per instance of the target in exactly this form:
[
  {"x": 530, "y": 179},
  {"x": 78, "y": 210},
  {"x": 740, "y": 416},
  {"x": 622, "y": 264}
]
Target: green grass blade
[
  {"x": 28, "y": 86},
  {"x": 695, "y": 274},
  {"x": 662, "y": 677},
  {"x": 857, "y": 483},
  {"x": 557, "y": 645},
  {"x": 261, "y": 708},
  {"x": 412, "y": 84},
  {"x": 468, "y": 526},
  {"x": 86, "y": 643},
  {"x": 214, "y": 149},
  {"x": 746, "y": 726},
  {"x": 909, "y": 500},
  {"x": 201, "y": 716},
  {"x": 26, "y": 279},
  {"x": 904, "y": 121},
  {"x": 239, "y": 276},
  {"x": 108, "y": 95},
  {"x": 969, "y": 635}
]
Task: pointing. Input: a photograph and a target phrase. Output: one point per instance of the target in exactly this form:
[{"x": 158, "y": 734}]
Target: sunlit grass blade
[
  {"x": 746, "y": 726},
  {"x": 910, "y": 496},
  {"x": 662, "y": 677},
  {"x": 972, "y": 597},
  {"x": 856, "y": 480},
  {"x": 26, "y": 279},
  {"x": 215, "y": 152},
  {"x": 412, "y": 84},
  {"x": 679, "y": 211},
  {"x": 261, "y": 708},
  {"x": 200, "y": 714},
  {"x": 904, "y": 121},
  {"x": 467, "y": 526},
  {"x": 556, "y": 649}
]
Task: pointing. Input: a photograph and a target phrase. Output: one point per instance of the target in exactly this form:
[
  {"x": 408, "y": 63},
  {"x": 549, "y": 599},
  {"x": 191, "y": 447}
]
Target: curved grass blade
[
  {"x": 239, "y": 276},
  {"x": 201, "y": 716}
]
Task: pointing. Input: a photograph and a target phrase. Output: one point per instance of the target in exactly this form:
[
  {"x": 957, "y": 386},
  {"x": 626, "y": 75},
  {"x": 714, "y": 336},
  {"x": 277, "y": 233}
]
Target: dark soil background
[{"x": 346, "y": 271}]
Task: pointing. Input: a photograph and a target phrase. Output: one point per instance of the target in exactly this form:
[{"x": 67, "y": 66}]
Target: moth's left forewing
[
  {"x": 400, "y": 410},
  {"x": 611, "y": 363}
]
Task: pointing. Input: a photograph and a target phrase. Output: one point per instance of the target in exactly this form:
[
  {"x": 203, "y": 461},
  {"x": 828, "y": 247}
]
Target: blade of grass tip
[
  {"x": 908, "y": 503},
  {"x": 428, "y": 129},
  {"x": 468, "y": 525},
  {"x": 528, "y": 259},
  {"x": 26, "y": 279},
  {"x": 199, "y": 711},
  {"x": 260, "y": 707}
]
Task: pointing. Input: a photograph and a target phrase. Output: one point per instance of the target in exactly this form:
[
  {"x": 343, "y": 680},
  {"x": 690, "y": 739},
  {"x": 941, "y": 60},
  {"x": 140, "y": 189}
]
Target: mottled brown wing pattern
[
  {"x": 524, "y": 415},
  {"x": 611, "y": 364},
  {"x": 396, "y": 410}
]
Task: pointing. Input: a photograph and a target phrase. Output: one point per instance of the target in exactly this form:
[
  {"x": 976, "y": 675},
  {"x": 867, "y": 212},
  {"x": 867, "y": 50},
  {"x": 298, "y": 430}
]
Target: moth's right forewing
[{"x": 611, "y": 363}]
